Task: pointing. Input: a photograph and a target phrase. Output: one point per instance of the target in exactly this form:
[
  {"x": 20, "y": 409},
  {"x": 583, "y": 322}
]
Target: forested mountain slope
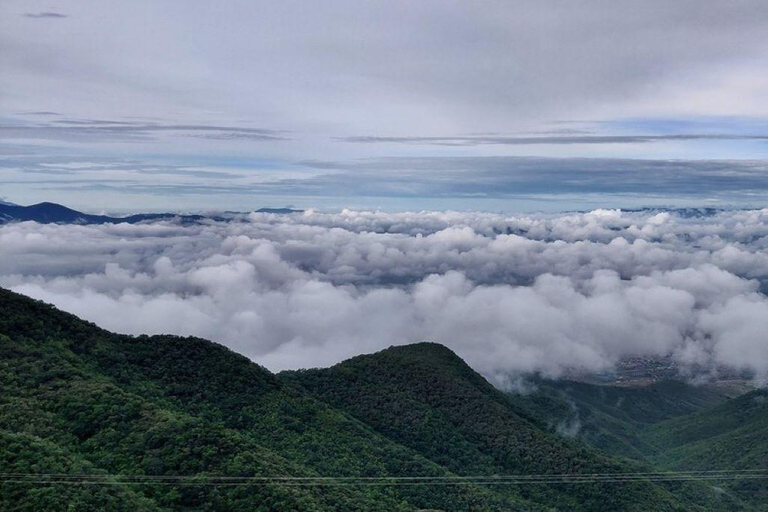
[
  {"x": 78, "y": 399},
  {"x": 612, "y": 418},
  {"x": 425, "y": 397},
  {"x": 182, "y": 413},
  {"x": 731, "y": 436}
]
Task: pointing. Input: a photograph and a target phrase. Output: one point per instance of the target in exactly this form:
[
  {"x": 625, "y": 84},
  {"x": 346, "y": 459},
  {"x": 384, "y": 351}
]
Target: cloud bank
[{"x": 510, "y": 294}]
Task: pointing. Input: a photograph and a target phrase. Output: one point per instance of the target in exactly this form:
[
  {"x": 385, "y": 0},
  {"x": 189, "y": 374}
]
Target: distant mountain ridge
[
  {"x": 279, "y": 211},
  {"x": 53, "y": 213}
]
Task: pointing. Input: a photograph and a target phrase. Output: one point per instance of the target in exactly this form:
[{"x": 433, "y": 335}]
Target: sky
[{"x": 383, "y": 105}]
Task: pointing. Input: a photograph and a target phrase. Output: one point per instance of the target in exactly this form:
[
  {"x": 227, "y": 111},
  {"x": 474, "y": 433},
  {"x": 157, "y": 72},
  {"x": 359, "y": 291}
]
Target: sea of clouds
[{"x": 510, "y": 294}]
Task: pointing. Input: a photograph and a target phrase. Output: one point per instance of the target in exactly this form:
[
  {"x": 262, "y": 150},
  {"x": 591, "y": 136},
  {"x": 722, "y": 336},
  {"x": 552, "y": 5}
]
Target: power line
[
  {"x": 547, "y": 475},
  {"x": 437, "y": 477},
  {"x": 364, "y": 484},
  {"x": 288, "y": 481}
]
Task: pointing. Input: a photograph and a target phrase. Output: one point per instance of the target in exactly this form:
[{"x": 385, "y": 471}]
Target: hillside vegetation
[
  {"x": 613, "y": 418},
  {"x": 733, "y": 435},
  {"x": 425, "y": 397},
  {"x": 182, "y": 412}
]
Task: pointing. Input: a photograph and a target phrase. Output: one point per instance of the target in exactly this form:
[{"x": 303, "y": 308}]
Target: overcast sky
[{"x": 514, "y": 105}]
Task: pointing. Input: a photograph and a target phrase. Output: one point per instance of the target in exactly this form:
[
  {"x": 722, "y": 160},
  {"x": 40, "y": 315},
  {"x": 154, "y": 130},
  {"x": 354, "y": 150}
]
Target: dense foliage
[
  {"x": 425, "y": 397},
  {"x": 673, "y": 425},
  {"x": 612, "y": 418},
  {"x": 733, "y": 435},
  {"x": 77, "y": 400}
]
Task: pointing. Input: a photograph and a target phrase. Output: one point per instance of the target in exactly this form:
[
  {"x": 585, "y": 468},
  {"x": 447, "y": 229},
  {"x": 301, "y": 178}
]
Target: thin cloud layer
[
  {"x": 496, "y": 183},
  {"x": 512, "y": 295},
  {"x": 113, "y": 131},
  {"x": 549, "y": 139},
  {"x": 45, "y": 14}
]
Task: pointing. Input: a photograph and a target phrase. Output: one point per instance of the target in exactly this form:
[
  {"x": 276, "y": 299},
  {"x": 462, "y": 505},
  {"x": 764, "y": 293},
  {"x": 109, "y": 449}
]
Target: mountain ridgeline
[
  {"x": 91, "y": 420},
  {"x": 52, "y": 213}
]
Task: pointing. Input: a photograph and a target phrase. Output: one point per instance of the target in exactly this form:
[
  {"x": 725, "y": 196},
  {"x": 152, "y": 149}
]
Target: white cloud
[{"x": 535, "y": 293}]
